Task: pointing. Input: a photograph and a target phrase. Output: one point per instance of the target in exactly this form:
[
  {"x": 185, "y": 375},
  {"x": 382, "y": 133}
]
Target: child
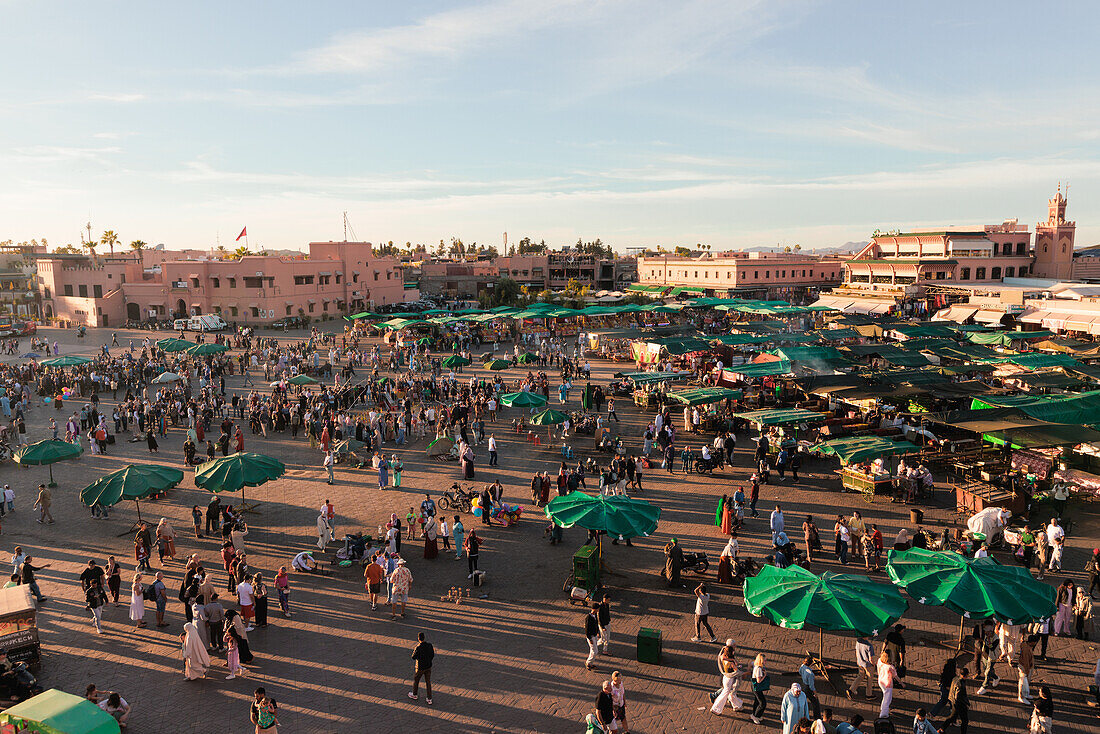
[
  {"x": 233, "y": 656},
  {"x": 410, "y": 522},
  {"x": 9, "y": 497},
  {"x": 196, "y": 518}
]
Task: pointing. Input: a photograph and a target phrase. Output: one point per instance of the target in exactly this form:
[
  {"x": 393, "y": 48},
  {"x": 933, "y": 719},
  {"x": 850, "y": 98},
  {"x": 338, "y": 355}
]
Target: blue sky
[{"x": 724, "y": 122}]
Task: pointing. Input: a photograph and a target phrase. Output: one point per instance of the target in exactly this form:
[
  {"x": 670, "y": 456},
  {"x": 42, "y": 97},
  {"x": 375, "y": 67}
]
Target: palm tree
[
  {"x": 138, "y": 246},
  {"x": 90, "y": 247},
  {"x": 110, "y": 239},
  {"x": 240, "y": 252},
  {"x": 222, "y": 252}
]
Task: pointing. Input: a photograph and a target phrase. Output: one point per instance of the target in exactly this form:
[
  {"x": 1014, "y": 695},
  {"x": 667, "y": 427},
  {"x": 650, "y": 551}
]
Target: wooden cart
[{"x": 19, "y": 626}]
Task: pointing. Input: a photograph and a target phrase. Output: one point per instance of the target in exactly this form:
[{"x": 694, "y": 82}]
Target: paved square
[{"x": 510, "y": 658}]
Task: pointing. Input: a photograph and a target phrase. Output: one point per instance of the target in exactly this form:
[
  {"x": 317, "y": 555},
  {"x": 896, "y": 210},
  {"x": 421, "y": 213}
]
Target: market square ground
[{"x": 509, "y": 662}]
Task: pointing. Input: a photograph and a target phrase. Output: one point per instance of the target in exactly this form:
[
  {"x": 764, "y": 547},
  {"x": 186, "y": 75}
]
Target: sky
[{"x": 725, "y": 122}]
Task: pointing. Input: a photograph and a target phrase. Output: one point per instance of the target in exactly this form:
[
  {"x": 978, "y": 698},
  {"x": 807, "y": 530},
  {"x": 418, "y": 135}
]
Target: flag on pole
[{"x": 244, "y": 233}]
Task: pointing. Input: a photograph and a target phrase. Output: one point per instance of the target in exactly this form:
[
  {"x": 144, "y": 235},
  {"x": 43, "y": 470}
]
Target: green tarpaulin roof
[
  {"x": 639, "y": 288},
  {"x": 864, "y": 448},
  {"x": 704, "y": 395},
  {"x": 833, "y": 335},
  {"x": 813, "y": 357},
  {"x": 735, "y": 340},
  {"x": 57, "y": 712},
  {"x": 681, "y": 289},
  {"x": 1048, "y": 435},
  {"x": 781, "y": 416},
  {"x": 762, "y": 369},
  {"x": 642, "y": 378},
  {"x": 1036, "y": 360},
  {"x": 1082, "y": 409},
  {"x": 677, "y": 346}
]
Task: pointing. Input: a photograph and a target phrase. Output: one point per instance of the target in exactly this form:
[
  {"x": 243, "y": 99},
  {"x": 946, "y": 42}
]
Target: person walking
[
  {"x": 27, "y": 577},
  {"x": 618, "y": 702},
  {"x": 887, "y": 676},
  {"x": 730, "y": 672},
  {"x": 423, "y": 654},
  {"x": 960, "y": 703},
  {"x": 492, "y": 450},
  {"x": 809, "y": 684},
  {"x": 592, "y": 634},
  {"x": 329, "y": 463},
  {"x": 160, "y": 597},
  {"x": 45, "y": 499},
  {"x": 988, "y": 650},
  {"x": 947, "y": 677},
  {"x": 761, "y": 683},
  {"x": 776, "y": 523},
  {"x": 865, "y": 665},
  {"x": 1024, "y": 665},
  {"x": 264, "y": 712},
  {"x": 702, "y": 612},
  {"x": 196, "y": 660},
  {"x": 794, "y": 707},
  {"x": 459, "y": 533},
  {"x": 604, "y": 618},
  {"x": 282, "y": 588}
]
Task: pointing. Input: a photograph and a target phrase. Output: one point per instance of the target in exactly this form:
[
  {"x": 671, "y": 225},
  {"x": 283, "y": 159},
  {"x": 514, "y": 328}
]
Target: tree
[
  {"x": 787, "y": 249},
  {"x": 109, "y": 238},
  {"x": 682, "y": 251},
  {"x": 240, "y": 252},
  {"x": 491, "y": 252},
  {"x": 222, "y": 252},
  {"x": 90, "y": 247},
  {"x": 798, "y": 248},
  {"x": 138, "y": 246},
  {"x": 528, "y": 247},
  {"x": 68, "y": 249}
]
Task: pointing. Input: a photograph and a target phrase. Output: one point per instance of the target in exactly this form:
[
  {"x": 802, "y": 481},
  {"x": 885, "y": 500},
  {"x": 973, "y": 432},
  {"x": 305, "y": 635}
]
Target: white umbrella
[{"x": 167, "y": 377}]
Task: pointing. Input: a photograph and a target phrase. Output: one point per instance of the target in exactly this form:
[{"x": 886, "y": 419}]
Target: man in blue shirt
[{"x": 852, "y": 727}]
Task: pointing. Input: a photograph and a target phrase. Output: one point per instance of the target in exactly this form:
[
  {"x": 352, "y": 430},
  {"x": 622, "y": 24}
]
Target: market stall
[
  {"x": 57, "y": 712},
  {"x": 19, "y": 626}
]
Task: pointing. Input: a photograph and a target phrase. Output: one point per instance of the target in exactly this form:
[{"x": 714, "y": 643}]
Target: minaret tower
[{"x": 1054, "y": 242}]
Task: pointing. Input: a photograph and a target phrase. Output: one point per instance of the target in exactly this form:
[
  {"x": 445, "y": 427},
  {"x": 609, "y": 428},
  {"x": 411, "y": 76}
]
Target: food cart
[
  {"x": 18, "y": 626},
  {"x": 861, "y": 458},
  {"x": 57, "y": 712}
]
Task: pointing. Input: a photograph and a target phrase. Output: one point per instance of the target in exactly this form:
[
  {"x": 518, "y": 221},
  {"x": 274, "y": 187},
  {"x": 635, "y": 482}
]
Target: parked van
[{"x": 203, "y": 322}]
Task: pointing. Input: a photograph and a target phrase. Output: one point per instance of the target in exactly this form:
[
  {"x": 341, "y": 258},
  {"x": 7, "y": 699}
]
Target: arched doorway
[
  {"x": 133, "y": 311},
  {"x": 49, "y": 311},
  {"x": 181, "y": 309}
]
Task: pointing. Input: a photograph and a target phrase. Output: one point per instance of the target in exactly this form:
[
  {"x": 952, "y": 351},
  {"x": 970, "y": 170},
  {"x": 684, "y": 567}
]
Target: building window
[
  {"x": 255, "y": 312},
  {"x": 979, "y": 274},
  {"x": 729, "y": 274},
  {"x": 339, "y": 278},
  {"x": 1021, "y": 248},
  {"x": 376, "y": 275},
  {"x": 45, "y": 292},
  {"x": 1024, "y": 270},
  {"x": 355, "y": 277},
  {"x": 1044, "y": 248},
  {"x": 324, "y": 306},
  {"x": 233, "y": 284},
  {"x": 811, "y": 272},
  {"x": 253, "y": 282},
  {"x": 941, "y": 275},
  {"x": 233, "y": 310},
  {"x": 768, "y": 273},
  {"x": 82, "y": 290},
  {"x": 705, "y": 274},
  {"x": 288, "y": 310},
  {"x": 965, "y": 275},
  {"x": 995, "y": 274},
  {"x": 303, "y": 280},
  {"x": 311, "y": 307},
  {"x": 1010, "y": 271},
  {"x": 756, "y": 275},
  {"x": 741, "y": 275},
  {"x": 216, "y": 283},
  {"x": 97, "y": 291},
  {"x": 217, "y": 309},
  {"x": 1063, "y": 248}
]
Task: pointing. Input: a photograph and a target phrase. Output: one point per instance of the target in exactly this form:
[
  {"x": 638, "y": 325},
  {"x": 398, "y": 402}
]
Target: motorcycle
[
  {"x": 457, "y": 498},
  {"x": 744, "y": 568},
  {"x": 18, "y": 682},
  {"x": 706, "y": 466},
  {"x": 696, "y": 562}
]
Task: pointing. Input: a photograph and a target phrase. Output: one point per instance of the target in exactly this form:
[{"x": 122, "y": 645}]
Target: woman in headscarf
[
  {"x": 234, "y": 625},
  {"x": 195, "y": 658},
  {"x": 431, "y": 533},
  {"x": 795, "y": 706},
  {"x": 166, "y": 540}
]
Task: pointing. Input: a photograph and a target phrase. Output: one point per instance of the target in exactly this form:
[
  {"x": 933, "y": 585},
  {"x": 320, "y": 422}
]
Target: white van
[{"x": 203, "y": 322}]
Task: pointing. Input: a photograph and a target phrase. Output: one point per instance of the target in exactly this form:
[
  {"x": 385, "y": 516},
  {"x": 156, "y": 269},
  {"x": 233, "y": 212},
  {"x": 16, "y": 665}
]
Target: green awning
[
  {"x": 835, "y": 335},
  {"x": 58, "y": 712},
  {"x": 779, "y": 417},
  {"x": 1049, "y": 435},
  {"x": 1082, "y": 409},
  {"x": 644, "y": 378},
  {"x": 685, "y": 289},
  {"x": 737, "y": 340},
  {"x": 639, "y": 288},
  {"x": 762, "y": 369},
  {"x": 1036, "y": 360},
  {"x": 704, "y": 395},
  {"x": 864, "y": 448}
]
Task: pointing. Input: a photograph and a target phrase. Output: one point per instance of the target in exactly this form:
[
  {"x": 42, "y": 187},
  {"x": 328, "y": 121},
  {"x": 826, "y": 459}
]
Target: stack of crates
[{"x": 586, "y": 568}]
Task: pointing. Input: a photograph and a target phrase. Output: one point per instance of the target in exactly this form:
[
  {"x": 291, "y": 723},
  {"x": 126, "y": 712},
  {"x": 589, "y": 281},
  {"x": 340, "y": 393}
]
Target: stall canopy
[
  {"x": 817, "y": 359},
  {"x": 779, "y": 417},
  {"x": 736, "y": 340},
  {"x": 1036, "y": 360},
  {"x": 1047, "y": 435},
  {"x": 858, "y": 449},
  {"x": 760, "y": 369},
  {"x": 639, "y": 288},
  {"x": 704, "y": 395},
  {"x": 958, "y": 313},
  {"x": 1081, "y": 409},
  {"x": 835, "y": 335},
  {"x": 645, "y": 378},
  {"x": 57, "y": 712}
]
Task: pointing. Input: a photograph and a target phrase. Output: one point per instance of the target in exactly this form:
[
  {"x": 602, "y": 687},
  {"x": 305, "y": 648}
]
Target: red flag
[{"x": 244, "y": 233}]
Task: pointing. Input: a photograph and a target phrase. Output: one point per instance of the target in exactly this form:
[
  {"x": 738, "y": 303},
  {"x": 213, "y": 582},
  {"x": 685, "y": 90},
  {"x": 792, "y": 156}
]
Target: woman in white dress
[{"x": 137, "y": 602}]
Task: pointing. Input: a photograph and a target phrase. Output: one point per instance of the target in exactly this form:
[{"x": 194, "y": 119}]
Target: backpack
[
  {"x": 149, "y": 594},
  {"x": 885, "y": 726}
]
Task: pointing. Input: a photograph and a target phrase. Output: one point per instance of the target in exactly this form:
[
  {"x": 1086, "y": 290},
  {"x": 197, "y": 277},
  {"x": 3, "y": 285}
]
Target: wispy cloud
[
  {"x": 115, "y": 97},
  {"x": 451, "y": 33}
]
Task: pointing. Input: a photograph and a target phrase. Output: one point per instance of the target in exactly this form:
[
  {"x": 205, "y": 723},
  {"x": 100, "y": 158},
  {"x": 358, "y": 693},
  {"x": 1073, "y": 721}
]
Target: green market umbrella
[
  {"x": 69, "y": 360},
  {"x": 348, "y": 446},
  {"x": 522, "y": 400},
  {"x": 794, "y": 597},
  {"x": 235, "y": 472},
  {"x": 549, "y": 417},
  {"x": 57, "y": 712},
  {"x": 303, "y": 380},
  {"x": 47, "y": 452},
  {"x": 135, "y": 482},
  {"x": 201, "y": 350},
  {"x": 497, "y": 364},
  {"x": 527, "y": 358},
  {"x": 616, "y": 515},
  {"x": 973, "y": 587},
  {"x": 455, "y": 361},
  {"x": 166, "y": 377},
  {"x": 174, "y": 345}
]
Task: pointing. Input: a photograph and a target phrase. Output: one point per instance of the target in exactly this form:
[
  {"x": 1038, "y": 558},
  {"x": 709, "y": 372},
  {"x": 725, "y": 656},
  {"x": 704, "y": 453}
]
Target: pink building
[
  {"x": 335, "y": 279},
  {"x": 749, "y": 274}
]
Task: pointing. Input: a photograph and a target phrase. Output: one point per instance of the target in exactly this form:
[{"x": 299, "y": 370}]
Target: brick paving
[{"x": 511, "y": 661}]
